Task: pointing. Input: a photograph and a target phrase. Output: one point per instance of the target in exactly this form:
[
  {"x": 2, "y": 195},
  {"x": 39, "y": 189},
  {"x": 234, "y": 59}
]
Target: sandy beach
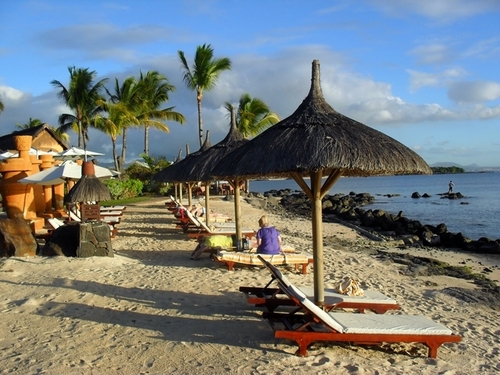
[{"x": 151, "y": 310}]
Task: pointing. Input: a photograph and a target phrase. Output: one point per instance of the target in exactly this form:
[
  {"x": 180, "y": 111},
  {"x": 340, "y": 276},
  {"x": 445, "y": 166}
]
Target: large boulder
[
  {"x": 16, "y": 239},
  {"x": 80, "y": 240},
  {"x": 63, "y": 241}
]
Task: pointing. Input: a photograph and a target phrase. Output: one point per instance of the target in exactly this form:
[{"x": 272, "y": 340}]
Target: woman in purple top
[{"x": 268, "y": 238}]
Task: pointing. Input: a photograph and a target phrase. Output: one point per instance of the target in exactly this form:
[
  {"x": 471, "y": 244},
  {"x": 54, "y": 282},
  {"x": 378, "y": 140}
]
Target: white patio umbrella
[
  {"x": 67, "y": 170},
  {"x": 32, "y": 151},
  {"x": 6, "y": 155},
  {"x": 76, "y": 153}
]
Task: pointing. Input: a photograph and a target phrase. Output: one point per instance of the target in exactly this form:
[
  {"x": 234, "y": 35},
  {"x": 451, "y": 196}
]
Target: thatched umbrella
[
  {"x": 207, "y": 160},
  {"x": 178, "y": 172},
  {"x": 88, "y": 188},
  {"x": 317, "y": 141}
]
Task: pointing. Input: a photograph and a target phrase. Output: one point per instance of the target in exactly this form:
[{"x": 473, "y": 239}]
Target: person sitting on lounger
[
  {"x": 218, "y": 241},
  {"x": 268, "y": 238}
]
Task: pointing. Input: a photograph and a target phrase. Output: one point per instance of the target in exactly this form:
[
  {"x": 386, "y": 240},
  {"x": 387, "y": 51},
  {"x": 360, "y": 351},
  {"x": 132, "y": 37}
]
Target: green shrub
[{"x": 124, "y": 188}]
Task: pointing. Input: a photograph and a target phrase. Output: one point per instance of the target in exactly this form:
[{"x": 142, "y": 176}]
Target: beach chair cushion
[
  {"x": 369, "y": 296},
  {"x": 252, "y": 258}
]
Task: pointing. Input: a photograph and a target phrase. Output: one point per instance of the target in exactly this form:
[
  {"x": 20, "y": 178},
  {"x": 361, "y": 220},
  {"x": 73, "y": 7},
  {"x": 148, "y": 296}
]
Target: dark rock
[
  {"x": 440, "y": 229},
  {"x": 16, "y": 239},
  {"x": 274, "y": 201},
  {"x": 258, "y": 202},
  {"x": 64, "y": 241},
  {"x": 415, "y": 195},
  {"x": 426, "y": 195},
  {"x": 489, "y": 248},
  {"x": 80, "y": 240},
  {"x": 326, "y": 204}
]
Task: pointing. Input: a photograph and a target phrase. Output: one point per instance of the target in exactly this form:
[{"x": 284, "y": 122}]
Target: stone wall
[{"x": 80, "y": 240}]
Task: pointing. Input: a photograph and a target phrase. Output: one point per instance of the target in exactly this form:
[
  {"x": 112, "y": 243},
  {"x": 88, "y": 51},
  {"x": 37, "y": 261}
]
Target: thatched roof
[
  {"x": 201, "y": 170},
  {"x": 178, "y": 171},
  {"x": 7, "y": 141},
  {"x": 318, "y": 138},
  {"x": 88, "y": 188}
]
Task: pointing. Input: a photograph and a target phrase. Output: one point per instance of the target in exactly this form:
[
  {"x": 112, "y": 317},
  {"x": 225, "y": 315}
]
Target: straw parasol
[
  {"x": 178, "y": 171},
  {"x": 207, "y": 160},
  {"x": 88, "y": 188},
  {"x": 316, "y": 141}
]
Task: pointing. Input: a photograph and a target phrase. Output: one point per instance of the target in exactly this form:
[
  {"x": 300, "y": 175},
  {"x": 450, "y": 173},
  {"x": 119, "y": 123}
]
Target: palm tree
[
  {"x": 82, "y": 97},
  {"x": 32, "y": 123},
  {"x": 118, "y": 119},
  {"x": 153, "y": 89},
  {"x": 35, "y": 122},
  {"x": 127, "y": 95},
  {"x": 203, "y": 75},
  {"x": 252, "y": 116}
]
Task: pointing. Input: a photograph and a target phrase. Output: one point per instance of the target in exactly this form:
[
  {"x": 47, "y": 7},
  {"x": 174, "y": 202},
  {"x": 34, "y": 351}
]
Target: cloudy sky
[{"x": 425, "y": 72}]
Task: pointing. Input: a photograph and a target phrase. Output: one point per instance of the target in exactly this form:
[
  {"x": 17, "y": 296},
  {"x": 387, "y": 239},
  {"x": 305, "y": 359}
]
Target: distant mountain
[{"x": 468, "y": 168}]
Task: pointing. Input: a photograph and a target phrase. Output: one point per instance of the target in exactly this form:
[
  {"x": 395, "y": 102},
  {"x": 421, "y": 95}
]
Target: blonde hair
[{"x": 263, "y": 221}]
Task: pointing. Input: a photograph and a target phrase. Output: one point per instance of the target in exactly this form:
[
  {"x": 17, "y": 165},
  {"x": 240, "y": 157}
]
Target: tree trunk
[
  {"x": 80, "y": 133},
  {"x": 124, "y": 149},
  {"x": 200, "y": 121},
  {"x": 115, "y": 157},
  {"x": 146, "y": 140},
  {"x": 84, "y": 138}
]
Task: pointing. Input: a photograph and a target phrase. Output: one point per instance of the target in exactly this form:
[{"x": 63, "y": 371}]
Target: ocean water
[{"x": 475, "y": 216}]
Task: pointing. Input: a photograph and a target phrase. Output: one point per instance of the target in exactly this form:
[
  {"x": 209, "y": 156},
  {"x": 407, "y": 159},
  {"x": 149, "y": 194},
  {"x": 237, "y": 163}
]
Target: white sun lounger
[{"x": 313, "y": 324}]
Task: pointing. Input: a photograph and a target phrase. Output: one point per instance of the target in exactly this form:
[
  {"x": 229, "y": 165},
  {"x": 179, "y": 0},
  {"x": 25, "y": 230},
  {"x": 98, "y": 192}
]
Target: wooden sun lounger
[
  {"x": 201, "y": 228},
  {"x": 188, "y": 221},
  {"x": 112, "y": 222},
  {"x": 312, "y": 324},
  {"x": 231, "y": 258},
  {"x": 273, "y": 298}
]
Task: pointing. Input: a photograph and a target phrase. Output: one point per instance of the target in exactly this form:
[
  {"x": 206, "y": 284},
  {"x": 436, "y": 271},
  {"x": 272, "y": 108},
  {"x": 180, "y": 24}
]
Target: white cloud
[
  {"x": 443, "y": 10},
  {"x": 434, "y": 53},
  {"x": 439, "y": 79},
  {"x": 484, "y": 49},
  {"x": 474, "y": 91},
  {"x": 11, "y": 96},
  {"x": 101, "y": 35},
  {"x": 282, "y": 81}
]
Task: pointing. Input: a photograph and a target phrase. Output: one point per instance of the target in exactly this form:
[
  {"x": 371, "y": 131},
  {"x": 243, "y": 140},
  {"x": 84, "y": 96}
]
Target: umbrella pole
[
  {"x": 190, "y": 194},
  {"x": 207, "y": 205},
  {"x": 237, "y": 210},
  {"x": 317, "y": 229}
]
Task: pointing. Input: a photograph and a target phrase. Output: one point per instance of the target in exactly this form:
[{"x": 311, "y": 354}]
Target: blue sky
[{"x": 426, "y": 73}]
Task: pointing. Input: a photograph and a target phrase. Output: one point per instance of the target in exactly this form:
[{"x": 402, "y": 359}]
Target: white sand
[{"x": 150, "y": 310}]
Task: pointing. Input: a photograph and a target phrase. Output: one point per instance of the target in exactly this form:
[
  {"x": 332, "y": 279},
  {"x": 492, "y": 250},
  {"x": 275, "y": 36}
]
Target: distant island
[{"x": 447, "y": 170}]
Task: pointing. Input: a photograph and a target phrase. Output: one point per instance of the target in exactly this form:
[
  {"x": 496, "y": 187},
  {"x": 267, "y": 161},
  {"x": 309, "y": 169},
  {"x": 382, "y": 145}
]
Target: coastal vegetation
[{"x": 447, "y": 170}]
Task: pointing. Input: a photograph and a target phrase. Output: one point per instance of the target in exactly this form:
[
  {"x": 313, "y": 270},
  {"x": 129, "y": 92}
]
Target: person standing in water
[{"x": 450, "y": 187}]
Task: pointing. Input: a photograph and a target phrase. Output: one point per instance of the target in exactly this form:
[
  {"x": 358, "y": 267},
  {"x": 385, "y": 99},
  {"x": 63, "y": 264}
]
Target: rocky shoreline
[
  {"x": 383, "y": 230},
  {"x": 376, "y": 224}
]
